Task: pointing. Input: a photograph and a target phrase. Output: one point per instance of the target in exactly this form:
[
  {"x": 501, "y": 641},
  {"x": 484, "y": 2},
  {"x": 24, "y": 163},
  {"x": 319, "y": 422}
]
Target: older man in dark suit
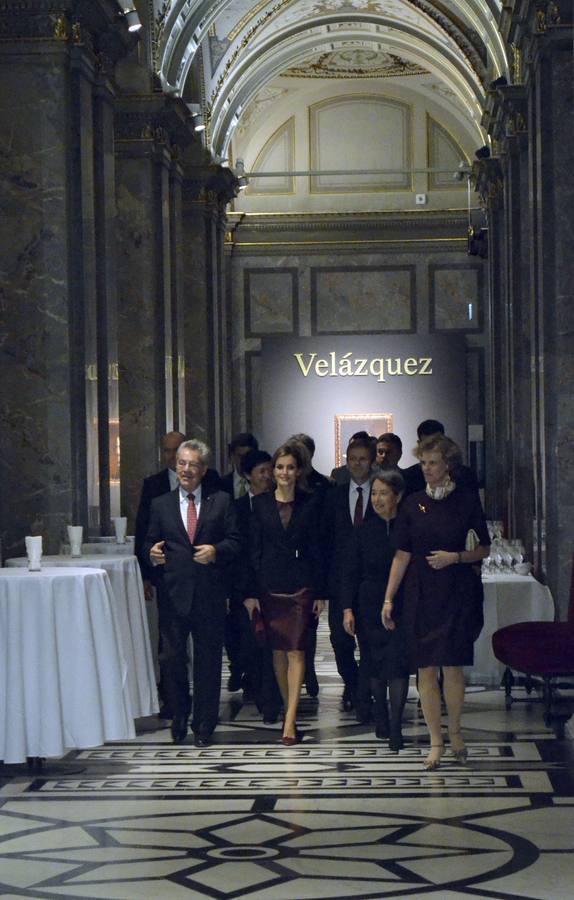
[{"x": 192, "y": 541}]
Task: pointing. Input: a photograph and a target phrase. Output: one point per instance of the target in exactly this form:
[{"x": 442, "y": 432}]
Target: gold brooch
[{"x": 422, "y": 507}]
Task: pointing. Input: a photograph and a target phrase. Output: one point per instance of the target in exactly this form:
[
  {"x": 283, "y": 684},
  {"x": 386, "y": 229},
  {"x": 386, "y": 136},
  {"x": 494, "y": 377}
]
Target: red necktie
[
  {"x": 358, "y": 517},
  {"x": 191, "y": 517}
]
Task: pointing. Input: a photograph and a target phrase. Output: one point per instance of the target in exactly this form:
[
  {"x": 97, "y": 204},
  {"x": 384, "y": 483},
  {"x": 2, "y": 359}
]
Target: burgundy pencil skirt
[{"x": 287, "y": 618}]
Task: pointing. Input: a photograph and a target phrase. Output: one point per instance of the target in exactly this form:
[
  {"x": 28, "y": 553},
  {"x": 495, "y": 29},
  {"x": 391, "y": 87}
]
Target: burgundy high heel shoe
[{"x": 289, "y": 741}]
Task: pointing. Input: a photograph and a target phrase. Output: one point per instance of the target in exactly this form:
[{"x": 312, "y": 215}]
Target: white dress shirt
[{"x": 353, "y": 496}]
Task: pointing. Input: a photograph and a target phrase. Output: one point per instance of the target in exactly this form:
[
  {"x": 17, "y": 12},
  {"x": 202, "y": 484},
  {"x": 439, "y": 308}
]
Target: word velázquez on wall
[{"x": 346, "y": 365}]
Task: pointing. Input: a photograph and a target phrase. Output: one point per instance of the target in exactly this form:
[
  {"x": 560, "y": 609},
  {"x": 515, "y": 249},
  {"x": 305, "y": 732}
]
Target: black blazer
[
  {"x": 152, "y": 487},
  {"x": 286, "y": 559},
  {"x": 337, "y": 528},
  {"x": 181, "y": 581}
]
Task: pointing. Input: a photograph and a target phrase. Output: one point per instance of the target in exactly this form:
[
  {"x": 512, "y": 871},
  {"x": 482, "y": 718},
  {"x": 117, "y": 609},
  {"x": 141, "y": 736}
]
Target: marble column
[
  {"x": 142, "y": 174},
  {"x": 554, "y": 271}
]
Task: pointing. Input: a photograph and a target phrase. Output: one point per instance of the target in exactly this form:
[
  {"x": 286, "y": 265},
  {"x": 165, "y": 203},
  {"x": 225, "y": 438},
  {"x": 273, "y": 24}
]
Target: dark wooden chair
[{"x": 544, "y": 653}]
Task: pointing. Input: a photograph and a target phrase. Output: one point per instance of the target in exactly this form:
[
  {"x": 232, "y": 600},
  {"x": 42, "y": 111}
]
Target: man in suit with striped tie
[{"x": 192, "y": 540}]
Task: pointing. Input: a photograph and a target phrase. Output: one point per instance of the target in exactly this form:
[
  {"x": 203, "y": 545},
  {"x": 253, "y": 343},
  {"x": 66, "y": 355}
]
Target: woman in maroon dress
[
  {"x": 442, "y": 611},
  {"x": 288, "y": 574}
]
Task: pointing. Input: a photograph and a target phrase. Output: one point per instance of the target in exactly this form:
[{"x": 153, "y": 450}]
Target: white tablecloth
[
  {"x": 127, "y": 586},
  {"x": 507, "y": 599},
  {"x": 107, "y": 546},
  {"x": 63, "y": 676}
]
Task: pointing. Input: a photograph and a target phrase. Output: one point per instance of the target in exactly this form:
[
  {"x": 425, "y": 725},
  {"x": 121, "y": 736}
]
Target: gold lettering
[
  {"x": 426, "y": 366},
  {"x": 321, "y": 367},
  {"x": 361, "y": 366},
  {"x": 299, "y": 358},
  {"x": 333, "y": 371},
  {"x": 345, "y": 366},
  {"x": 411, "y": 366},
  {"x": 377, "y": 367},
  {"x": 397, "y": 368}
]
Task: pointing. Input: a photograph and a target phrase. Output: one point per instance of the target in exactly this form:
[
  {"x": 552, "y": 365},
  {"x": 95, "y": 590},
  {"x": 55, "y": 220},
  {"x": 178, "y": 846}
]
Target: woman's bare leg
[
  {"x": 454, "y": 698},
  {"x": 280, "y": 669},
  {"x": 295, "y": 678},
  {"x": 429, "y": 693}
]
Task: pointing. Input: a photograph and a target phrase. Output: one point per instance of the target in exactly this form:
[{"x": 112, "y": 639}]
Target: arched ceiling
[{"x": 242, "y": 45}]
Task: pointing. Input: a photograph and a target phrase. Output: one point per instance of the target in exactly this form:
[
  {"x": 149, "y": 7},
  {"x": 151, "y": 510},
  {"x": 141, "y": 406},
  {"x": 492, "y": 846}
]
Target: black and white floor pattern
[{"x": 337, "y": 816}]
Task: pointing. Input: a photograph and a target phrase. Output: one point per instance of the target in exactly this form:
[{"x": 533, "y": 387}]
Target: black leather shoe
[
  {"x": 312, "y": 684},
  {"x": 234, "y": 682},
  {"x": 203, "y": 739},
  {"x": 348, "y": 700},
  {"x": 179, "y": 728}
]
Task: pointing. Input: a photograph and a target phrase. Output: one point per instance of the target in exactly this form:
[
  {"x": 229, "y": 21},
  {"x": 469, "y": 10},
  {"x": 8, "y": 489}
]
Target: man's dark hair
[
  {"x": 306, "y": 440},
  {"x": 363, "y": 444},
  {"x": 389, "y": 438},
  {"x": 243, "y": 439},
  {"x": 254, "y": 458},
  {"x": 429, "y": 426},
  {"x": 360, "y": 435}
]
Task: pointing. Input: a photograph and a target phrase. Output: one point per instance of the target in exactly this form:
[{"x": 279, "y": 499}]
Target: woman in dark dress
[
  {"x": 288, "y": 581},
  {"x": 442, "y": 607},
  {"x": 365, "y": 575}
]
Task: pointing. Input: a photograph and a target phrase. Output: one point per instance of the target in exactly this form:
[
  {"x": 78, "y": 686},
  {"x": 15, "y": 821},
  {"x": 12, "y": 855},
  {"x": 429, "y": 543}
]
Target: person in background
[
  {"x": 193, "y": 539},
  {"x": 366, "y": 568},
  {"x": 315, "y": 481},
  {"x": 414, "y": 478},
  {"x": 344, "y": 509},
  {"x": 256, "y": 657},
  {"x": 340, "y": 474},
  {"x": 287, "y": 571},
  {"x": 442, "y": 602},
  {"x": 389, "y": 451},
  {"x": 235, "y": 482}
]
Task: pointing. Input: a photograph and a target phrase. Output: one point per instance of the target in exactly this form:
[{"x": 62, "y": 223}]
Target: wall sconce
[
  {"x": 197, "y": 116},
  {"x": 132, "y": 19},
  {"x": 242, "y": 180}
]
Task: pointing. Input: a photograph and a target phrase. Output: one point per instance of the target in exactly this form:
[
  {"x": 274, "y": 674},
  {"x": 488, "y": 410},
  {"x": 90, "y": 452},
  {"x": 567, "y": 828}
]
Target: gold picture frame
[{"x": 347, "y": 424}]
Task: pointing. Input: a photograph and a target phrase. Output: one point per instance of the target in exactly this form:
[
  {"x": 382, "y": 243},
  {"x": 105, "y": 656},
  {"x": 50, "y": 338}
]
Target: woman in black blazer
[{"x": 288, "y": 574}]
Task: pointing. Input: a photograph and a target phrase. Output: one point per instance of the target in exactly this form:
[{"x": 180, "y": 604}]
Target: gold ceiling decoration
[{"x": 354, "y": 62}]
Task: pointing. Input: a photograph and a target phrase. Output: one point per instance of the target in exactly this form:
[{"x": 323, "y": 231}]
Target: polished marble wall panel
[
  {"x": 140, "y": 324},
  {"x": 271, "y": 301},
  {"x": 36, "y": 452},
  {"x": 455, "y": 297},
  {"x": 363, "y": 299}
]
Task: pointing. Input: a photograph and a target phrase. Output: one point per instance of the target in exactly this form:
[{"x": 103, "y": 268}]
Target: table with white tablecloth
[
  {"x": 127, "y": 587},
  {"x": 63, "y": 674},
  {"x": 507, "y": 599}
]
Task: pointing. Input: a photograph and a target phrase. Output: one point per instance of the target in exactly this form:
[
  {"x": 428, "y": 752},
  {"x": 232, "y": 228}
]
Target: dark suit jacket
[
  {"x": 337, "y": 528},
  {"x": 183, "y": 582},
  {"x": 285, "y": 560},
  {"x": 152, "y": 487},
  {"x": 226, "y": 483},
  {"x": 414, "y": 479}
]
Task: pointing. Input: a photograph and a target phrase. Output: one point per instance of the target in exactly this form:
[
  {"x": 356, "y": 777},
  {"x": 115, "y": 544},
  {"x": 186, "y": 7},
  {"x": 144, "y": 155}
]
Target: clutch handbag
[{"x": 472, "y": 540}]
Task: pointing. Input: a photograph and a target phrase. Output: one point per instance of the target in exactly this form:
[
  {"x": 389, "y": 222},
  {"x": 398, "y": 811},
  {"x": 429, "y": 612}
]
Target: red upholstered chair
[{"x": 544, "y": 652}]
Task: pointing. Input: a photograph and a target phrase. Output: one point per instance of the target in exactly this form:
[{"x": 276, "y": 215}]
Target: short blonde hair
[{"x": 442, "y": 444}]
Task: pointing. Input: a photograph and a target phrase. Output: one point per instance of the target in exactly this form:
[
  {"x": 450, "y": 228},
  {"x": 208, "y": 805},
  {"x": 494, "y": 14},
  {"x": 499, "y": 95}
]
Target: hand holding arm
[
  {"x": 157, "y": 555},
  {"x": 398, "y": 568},
  {"x": 440, "y": 559}
]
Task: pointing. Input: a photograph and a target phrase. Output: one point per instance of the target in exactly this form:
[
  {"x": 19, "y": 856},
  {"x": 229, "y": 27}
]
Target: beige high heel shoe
[
  {"x": 461, "y": 753},
  {"x": 432, "y": 761}
]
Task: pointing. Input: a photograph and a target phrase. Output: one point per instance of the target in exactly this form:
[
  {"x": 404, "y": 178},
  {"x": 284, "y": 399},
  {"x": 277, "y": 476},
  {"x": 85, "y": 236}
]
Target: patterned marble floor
[{"x": 338, "y": 816}]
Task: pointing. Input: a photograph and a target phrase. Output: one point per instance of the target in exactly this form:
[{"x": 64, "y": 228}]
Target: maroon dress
[{"x": 442, "y": 608}]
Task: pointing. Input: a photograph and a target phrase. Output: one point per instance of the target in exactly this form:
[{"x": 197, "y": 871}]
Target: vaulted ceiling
[{"x": 230, "y": 50}]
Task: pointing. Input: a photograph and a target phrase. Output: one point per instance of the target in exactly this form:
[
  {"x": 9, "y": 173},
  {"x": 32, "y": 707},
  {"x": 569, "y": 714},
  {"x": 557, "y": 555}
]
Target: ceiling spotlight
[
  {"x": 242, "y": 183},
  {"x": 482, "y": 152},
  {"x": 133, "y": 20}
]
